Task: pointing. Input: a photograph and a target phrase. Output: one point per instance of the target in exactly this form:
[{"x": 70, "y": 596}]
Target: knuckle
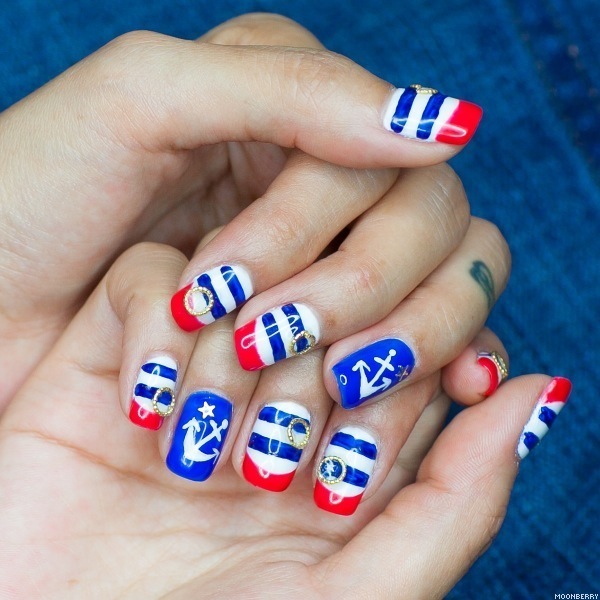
[
  {"x": 368, "y": 277},
  {"x": 495, "y": 243}
]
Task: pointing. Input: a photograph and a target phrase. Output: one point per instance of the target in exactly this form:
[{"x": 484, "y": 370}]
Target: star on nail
[{"x": 207, "y": 410}]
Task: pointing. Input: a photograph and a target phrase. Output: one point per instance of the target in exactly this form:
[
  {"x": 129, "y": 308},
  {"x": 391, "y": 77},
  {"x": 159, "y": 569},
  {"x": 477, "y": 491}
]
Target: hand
[{"x": 163, "y": 139}]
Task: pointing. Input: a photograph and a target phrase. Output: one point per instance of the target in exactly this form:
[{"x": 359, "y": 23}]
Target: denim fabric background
[{"x": 533, "y": 169}]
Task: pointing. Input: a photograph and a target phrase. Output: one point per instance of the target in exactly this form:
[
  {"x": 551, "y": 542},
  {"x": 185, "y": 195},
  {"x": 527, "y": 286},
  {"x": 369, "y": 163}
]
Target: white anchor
[
  {"x": 191, "y": 447},
  {"x": 367, "y": 386}
]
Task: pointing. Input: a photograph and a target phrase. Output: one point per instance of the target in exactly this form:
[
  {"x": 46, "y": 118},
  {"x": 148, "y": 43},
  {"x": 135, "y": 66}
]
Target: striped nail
[
  {"x": 549, "y": 404},
  {"x": 279, "y": 435},
  {"x": 154, "y": 392},
  {"x": 283, "y": 332},
  {"x": 424, "y": 114},
  {"x": 344, "y": 471},
  {"x": 211, "y": 296},
  {"x": 496, "y": 368}
]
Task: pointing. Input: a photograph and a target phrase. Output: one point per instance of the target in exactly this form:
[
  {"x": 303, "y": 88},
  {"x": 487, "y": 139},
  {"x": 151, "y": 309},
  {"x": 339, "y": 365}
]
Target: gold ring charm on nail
[
  {"x": 499, "y": 362},
  {"x": 308, "y": 336},
  {"x": 423, "y": 90},
  {"x": 156, "y": 408},
  {"x": 208, "y": 298},
  {"x": 290, "y": 433},
  {"x": 331, "y": 470}
]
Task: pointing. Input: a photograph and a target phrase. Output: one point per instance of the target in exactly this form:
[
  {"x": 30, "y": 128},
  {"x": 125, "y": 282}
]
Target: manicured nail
[
  {"x": 211, "y": 296},
  {"x": 199, "y": 436},
  {"x": 549, "y": 404},
  {"x": 280, "y": 433},
  {"x": 422, "y": 113},
  {"x": 494, "y": 364},
  {"x": 344, "y": 470},
  {"x": 283, "y": 332},
  {"x": 154, "y": 392},
  {"x": 372, "y": 370}
]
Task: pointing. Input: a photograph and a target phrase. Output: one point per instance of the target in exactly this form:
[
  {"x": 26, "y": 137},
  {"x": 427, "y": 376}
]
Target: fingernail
[
  {"x": 422, "y": 113},
  {"x": 344, "y": 470},
  {"x": 211, "y": 296},
  {"x": 549, "y": 404},
  {"x": 154, "y": 392},
  {"x": 372, "y": 370},
  {"x": 280, "y": 433},
  {"x": 497, "y": 370},
  {"x": 199, "y": 436},
  {"x": 283, "y": 332}
]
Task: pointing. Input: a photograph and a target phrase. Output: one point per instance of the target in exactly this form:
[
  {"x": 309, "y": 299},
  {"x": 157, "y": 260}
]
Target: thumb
[{"x": 433, "y": 530}]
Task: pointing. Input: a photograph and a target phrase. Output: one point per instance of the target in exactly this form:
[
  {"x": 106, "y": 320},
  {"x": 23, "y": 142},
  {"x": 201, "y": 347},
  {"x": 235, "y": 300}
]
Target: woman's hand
[{"x": 163, "y": 139}]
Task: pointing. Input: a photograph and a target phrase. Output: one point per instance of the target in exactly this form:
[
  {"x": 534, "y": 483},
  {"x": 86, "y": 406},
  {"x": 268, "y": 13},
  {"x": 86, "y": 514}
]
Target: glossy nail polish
[
  {"x": 280, "y": 434},
  {"x": 199, "y": 436},
  {"x": 496, "y": 368},
  {"x": 283, "y": 332},
  {"x": 424, "y": 114},
  {"x": 211, "y": 296},
  {"x": 550, "y": 403},
  {"x": 154, "y": 392},
  {"x": 372, "y": 370},
  {"x": 344, "y": 471}
]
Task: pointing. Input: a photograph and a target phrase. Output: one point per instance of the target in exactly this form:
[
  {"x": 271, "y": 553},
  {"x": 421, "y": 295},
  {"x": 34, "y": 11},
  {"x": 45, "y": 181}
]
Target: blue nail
[
  {"x": 199, "y": 436},
  {"x": 372, "y": 370}
]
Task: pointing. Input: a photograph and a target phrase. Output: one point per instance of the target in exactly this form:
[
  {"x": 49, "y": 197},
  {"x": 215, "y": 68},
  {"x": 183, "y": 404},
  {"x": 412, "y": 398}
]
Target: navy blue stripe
[
  {"x": 156, "y": 369},
  {"x": 531, "y": 440},
  {"x": 547, "y": 416},
  {"x": 349, "y": 442},
  {"x": 356, "y": 477},
  {"x": 296, "y": 325},
  {"x": 280, "y": 417},
  {"x": 234, "y": 285},
  {"x": 430, "y": 114},
  {"x": 218, "y": 310},
  {"x": 274, "y": 336},
  {"x": 274, "y": 447},
  {"x": 405, "y": 103},
  {"x": 144, "y": 391}
]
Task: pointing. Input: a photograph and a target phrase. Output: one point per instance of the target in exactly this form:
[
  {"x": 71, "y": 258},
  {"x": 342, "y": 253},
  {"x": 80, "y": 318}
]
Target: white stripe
[
  {"x": 391, "y": 108},
  {"x": 222, "y": 289},
  {"x": 144, "y": 403},
  {"x": 309, "y": 320},
  {"x": 285, "y": 331},
  {"x": 271, "y": 464},
  {"x": 446, "y": 111},
  {"x": 415, "y": 115},
  {"x": 261, "y": 341},
  {"x": 271, "y": 431},
  {"x": 156, "y": 381},
  {"x": 245, "y": 281},
  {"x": 297, "y": 410}
]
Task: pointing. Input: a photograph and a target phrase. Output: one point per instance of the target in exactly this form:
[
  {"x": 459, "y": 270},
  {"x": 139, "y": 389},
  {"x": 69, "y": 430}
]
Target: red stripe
[
  {"x": 264, "y": 480},
  {"x": 182, "y": 317},
  {"x": 245, "y": 346},
  {"x": 490, "y": 366},
  {"x": 334, "y": 503},
  {"x": 461, "y": 125},
  {"x": 558, "y": 390},
  {"x": 144, "y": 418}
]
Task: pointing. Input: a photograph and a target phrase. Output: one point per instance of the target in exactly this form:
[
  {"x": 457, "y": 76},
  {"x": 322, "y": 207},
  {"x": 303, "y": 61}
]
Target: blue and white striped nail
[
  {"x": 372, "y": 370},
  {"x": 211, "y": 296},
  {"x": 199, "y": 436},
  {"x": 282, "y": 332}
]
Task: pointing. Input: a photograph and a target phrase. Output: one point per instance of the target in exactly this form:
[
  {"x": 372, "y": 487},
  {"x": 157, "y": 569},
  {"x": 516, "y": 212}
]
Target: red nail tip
[
  {"x": 490, "y": 366},
  {"x": 462, "y": 125},
  {"x": 264, "y": 480},
  {"x": 182, "y": 317},
  {"x": 246, "y": 349},
  {"x": 144, "y": 418},
  {"x": 558, "y": 390},
  {"x": 334, "y": 503}
]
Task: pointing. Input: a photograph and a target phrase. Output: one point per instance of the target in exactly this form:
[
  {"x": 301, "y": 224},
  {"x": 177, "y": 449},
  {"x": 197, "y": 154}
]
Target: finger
[
  {"x": 448, "y": 517},
  {"x": 428, "y": 329},
  {"x": 407, "y": 234},
  {"x": 476, "y": 374}
]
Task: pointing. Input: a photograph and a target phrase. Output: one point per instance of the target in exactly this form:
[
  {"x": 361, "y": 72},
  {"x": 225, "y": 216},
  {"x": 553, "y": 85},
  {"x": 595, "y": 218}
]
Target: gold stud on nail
[
  {"x": 499, "y": 362},
  {"x": 327, "y": 474},
  {"x": 156, "y": 408},
  {"x": 207, "y": 295},
  {"x": 300, "y": 444},
  {"x": 309, "y": 337},
  {"x": 423, "y": 90}
]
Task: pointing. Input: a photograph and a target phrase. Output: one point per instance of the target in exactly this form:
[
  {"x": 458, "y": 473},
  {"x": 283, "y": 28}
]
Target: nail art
[
  {"x": 283, "y": 332},
  {"x": 494, "y": 364},
  {"x": 199, "y": 436},
  {"x": 372, "y": 370},
  {"x": 344, "y": 470},
  {"x": 154, "y": 392},
  {"x": 211, "y": 296},
  {"x": 280, "y": 433},
  {"x": 549, "y": 404},
  {"x": 424, "y": 114}
]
